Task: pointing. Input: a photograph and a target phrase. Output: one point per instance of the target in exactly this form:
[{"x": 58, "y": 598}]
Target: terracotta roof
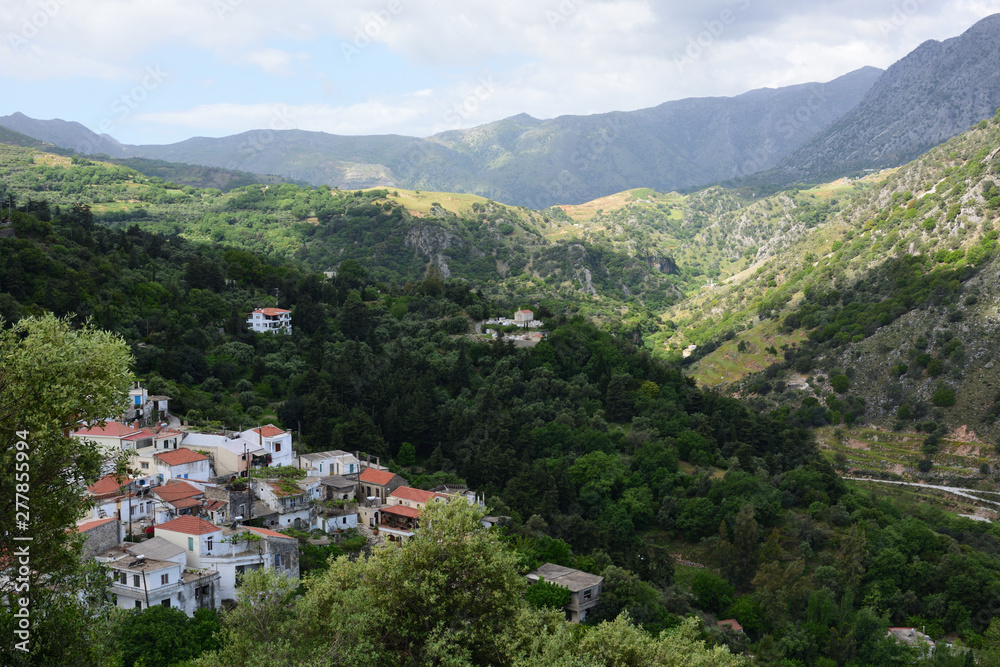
[
  {"x": 184, "y": 503},
  {"x": 731, "y": 623},
  {"x": 141, "y": 435},
  {"x": 269, "y": 431},
  {"x": 109, "y": 430},
  {"x": 215, "y": 505},
  {"x": 190, "y": 525},
  {"x": 411, "y": 512},
  {"x": 524, "y": 311},
  {"x": 373, "y": 476},
  {"x": 108, "y": 484},
  {"x": 269, "y": 533},
  {"x": 415, "y": 495},
  {"x": 272, "y": 312},
  {"x": 90, "y": 525},
  {"x": 176, "y": 457},
  {"x": 175, "y": 489}
]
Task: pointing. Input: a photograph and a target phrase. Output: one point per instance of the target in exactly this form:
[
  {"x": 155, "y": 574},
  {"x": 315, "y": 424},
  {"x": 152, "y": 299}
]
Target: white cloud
[
  {"x": 275, "y": 61},
  {"x": 543, "y": 57}
]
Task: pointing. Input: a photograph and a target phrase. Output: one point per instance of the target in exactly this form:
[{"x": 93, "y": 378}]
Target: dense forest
[{"x": 688, "y": 502}]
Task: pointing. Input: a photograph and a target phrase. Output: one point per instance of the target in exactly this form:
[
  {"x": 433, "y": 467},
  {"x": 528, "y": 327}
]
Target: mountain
[
  {"x": 64, "y": 134},
  {"x": 896, "y": 293},
  {"x": 935, "y": 92},
  {"x": 9, "y": 136},
  {"x": 570, "y": 159},
  {"x": 522, "y": 160}
]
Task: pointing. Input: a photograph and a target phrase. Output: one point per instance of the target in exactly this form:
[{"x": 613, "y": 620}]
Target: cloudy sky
[{"x": 158, "y": 71}]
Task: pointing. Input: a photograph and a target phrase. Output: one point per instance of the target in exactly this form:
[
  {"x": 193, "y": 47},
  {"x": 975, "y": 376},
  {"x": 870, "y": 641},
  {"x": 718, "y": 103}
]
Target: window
[
  {"x": 166, "y": 603},
  {"x": 164, "y": 579},
  {"x": 138, "y": 604},
  {"x": 135, "y": 580},
  {"x": 277, "y": 447},
  {"x": 190, "y": 544},
  {"x": 586, "y": 594},
  {"x": 144, "y": 465},
  {"x": 209, "y": 543},
  {"x": 124, "y": 579},
  {"x": 277, "y": 560}
]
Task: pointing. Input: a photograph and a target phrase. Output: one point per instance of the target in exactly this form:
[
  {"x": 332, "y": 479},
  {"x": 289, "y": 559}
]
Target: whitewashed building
[
  {"x": 155, "y": 572},
  {"x": 325, "y": 464},
  {"x": 270, "y": 320},
  {"x": 230, "y": 551},
  {"x": 277, "y": 444}
]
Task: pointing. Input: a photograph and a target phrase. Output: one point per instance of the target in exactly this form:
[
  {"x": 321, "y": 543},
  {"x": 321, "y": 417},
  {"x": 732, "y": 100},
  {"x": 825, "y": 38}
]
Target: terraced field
[{"x": 877, "y": 452}]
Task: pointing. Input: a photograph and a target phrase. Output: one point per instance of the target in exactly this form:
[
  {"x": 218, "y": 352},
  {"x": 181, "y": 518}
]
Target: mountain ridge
[
  {"x": 522, "y": 160},
  {"x": 920, "y": 101}
]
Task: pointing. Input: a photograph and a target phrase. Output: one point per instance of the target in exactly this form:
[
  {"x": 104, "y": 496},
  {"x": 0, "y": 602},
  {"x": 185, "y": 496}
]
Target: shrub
[
  {"x": 944, "y": 397},
  {"x": 840, "y": 383},
  {"x": 543, "y": 594}
]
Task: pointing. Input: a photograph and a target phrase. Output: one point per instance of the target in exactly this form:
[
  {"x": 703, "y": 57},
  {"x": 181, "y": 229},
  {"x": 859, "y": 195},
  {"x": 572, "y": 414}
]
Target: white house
[
  {"x": 230, "y": 456},
  {"x": 270, "y": 320},
  {"x": 325, "y": 464},
  {"x": 277, "y": 444},
  {"x": 231, "y": 552},
  {"x": 139, "y": 409},
  {"x": 112, "y": 438},
  {"x": 183, "y": 463},
  {"x": 158, "y": 439},
  {"x": 155, "y": 572},
  {"x": 292, "y": 501},
  {"x": 122, "y": 499}
]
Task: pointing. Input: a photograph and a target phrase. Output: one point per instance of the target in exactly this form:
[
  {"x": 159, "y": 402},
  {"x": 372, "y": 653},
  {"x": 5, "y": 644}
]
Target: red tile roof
[
  {"x": 90, "y": 525},
  {"x": 215, "y": 505},
  {"x": 732, "y": 623},
  {"x": 189, "y": 525},
  {"x": 108, "y": 485},
  {"x": 269, "y": 533},
  {"x": 184, "y": 503},
  {"x": 374, "y": 476},
  {"x": 415, "y": 495},
  {"x": 142, "y": 434},
  {"x": 109, "y": 430},
  {"x": 411, "y": 512},
  {"x": 176, "y": 457},
  {"x": 176, "y": 489},
  {"x": 272, "y": 312},
  {"x": 269, "y": 431}
]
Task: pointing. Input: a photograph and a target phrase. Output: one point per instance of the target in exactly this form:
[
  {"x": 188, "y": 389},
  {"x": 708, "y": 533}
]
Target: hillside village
[{"x": 198, "y": 510}]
